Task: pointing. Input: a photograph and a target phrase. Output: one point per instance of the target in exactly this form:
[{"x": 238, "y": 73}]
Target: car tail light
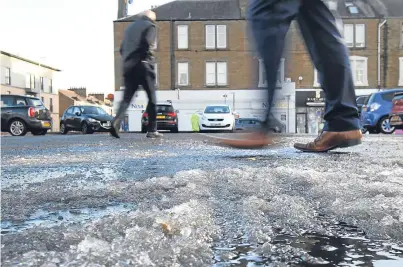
[
  {"x": 145, "y": 114},
  {"x": 172, "y": 114},
  {"x": 31, "y": 112}
]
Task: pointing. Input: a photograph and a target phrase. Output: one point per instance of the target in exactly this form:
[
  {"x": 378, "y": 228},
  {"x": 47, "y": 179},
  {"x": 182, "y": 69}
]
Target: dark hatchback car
[
  {"x": 250, "y": 124},
  {"x": 20, "y": 114},
  {"x": 87, "y": 119},
  {"x": 167, "y": 118}
]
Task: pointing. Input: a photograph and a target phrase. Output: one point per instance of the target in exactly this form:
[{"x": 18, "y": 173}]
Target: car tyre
[
  {"x": 17, "y": 127},
  {"x": 39, "y": 132},
  {"x": 175, "y": 130},
  {"x": 384, "y": 126},
  {"x": 85, "y": 129},
  {"x": 63, "y": 128}
]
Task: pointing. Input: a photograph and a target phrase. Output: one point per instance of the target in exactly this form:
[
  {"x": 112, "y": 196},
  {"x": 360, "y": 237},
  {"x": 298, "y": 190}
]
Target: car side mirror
[
  {"x": 177, "y": 111},
  {"x": 78, "y": 113}
]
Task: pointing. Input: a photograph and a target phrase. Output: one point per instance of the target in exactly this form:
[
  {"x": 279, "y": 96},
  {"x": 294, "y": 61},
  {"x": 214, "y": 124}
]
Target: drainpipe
[
  {"x": 379, "y": 52},
  {"x": 172, "y": 50}
]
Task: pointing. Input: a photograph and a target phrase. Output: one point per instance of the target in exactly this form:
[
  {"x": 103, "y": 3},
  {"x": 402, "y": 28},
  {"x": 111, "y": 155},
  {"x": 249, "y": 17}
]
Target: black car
[
  {"x": 20, "y": 114},
  {"x": 88, "y": 119},
  {"x": 167, "y": 118}
]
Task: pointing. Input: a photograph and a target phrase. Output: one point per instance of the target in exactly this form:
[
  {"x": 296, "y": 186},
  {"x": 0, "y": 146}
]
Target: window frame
[
  {"x": 156, "y": 73},
  {"x": 354, "y": 35},
  {"x": 216, "y": 45},
  {"x": 353, "y": 60},
  {"x": 316, "y": 82},
  {"x": 216, "y": 83},
  {"x": 262, "y": 83},
  {"x": 182, "y": 26},
  {"x": 7, "y": 76},
  {"x": 178, "y": 73}
]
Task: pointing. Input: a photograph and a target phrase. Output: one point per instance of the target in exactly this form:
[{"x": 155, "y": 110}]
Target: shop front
[{"x": 310, "y": 109}]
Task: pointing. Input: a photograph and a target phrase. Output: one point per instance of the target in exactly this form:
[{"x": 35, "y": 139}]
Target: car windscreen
[
  {"x": 164, "y": 108},
  {"x": 92, "y": 110},
  {"x": 361, "y": 100},
  {"x": 217, "y": 110},
  {"x": 35, "y": 102}
]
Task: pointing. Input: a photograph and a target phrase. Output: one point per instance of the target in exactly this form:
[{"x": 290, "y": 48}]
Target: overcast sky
[{"x": 75, "y": 36}]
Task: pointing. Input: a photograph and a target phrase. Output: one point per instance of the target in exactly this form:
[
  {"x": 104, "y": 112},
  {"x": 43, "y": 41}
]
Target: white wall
[{"x": 248, "y": 103}]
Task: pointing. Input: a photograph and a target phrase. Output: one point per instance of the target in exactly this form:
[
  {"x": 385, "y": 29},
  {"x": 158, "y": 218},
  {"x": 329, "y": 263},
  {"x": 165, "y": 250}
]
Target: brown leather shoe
[
  {"x": 249, "y": 141},
  {"x": 331, "y": 140}
]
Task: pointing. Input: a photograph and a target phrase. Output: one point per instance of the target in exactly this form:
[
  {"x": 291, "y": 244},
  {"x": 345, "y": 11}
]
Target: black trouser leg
[
  {"x": 269, "y": 21},
  {"x": 330, "y": 57},
  {"x": 149, "y": 86},
  {"x": 131, "y": 86}
]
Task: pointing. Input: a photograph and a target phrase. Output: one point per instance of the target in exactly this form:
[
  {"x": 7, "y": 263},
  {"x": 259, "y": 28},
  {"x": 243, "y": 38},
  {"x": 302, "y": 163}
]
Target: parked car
[
  {"x": 396, "y": 115},
  {"x": 21, "y": 114},
  {"x": 167, "y": 118},
  {"x": 87, "y": 119},
  {"x": 217, "y": 118},
  {"x": 376, "y": 110},
  {"x": 361, "y": 101},
  {"x": 254, "y": 123}
]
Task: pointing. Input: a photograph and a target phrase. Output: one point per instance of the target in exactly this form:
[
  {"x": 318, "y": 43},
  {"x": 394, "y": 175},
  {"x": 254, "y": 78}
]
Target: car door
[
  {"x": 68, "y": 114},
  {"x": 77, "y": 118},
  {"x": 7, "y": 102}
]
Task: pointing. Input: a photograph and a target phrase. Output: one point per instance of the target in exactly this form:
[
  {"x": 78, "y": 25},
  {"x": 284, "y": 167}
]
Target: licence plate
[
  {"x": 216, "y": 124},
  {"x": 160, "y": 117},
  {"x": 46, "y": 124}
]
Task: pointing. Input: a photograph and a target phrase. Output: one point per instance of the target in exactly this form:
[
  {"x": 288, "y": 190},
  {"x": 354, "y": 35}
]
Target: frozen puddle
[{"x": 42, "y": 218}]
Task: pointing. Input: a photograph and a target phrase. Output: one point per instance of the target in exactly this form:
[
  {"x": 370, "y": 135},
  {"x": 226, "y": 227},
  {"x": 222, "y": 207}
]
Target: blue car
[{"x": 375, "y": 112}]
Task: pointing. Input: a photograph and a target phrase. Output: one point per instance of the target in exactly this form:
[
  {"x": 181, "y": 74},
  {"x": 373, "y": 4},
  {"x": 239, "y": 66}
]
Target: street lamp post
[
  {"x": 225, "y": 98},
  {"x": 288, "y": 113},
  {"x": 233, "y": 101}
]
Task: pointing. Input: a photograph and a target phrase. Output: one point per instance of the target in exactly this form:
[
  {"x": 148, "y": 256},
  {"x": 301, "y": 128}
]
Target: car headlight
[
  {"x": 374, "y": 106},
  {"x": 204, "y": 118},
  {"x": 92, "y": 120}
]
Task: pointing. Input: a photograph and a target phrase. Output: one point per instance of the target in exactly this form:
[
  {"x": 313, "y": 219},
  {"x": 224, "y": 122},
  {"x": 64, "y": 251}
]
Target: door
[
  {"x": 7, "y": 102},
  {"x": 68, "y": 117},
  {"x": 76, "y": 119},
  {"x": 301, "y": 122}
]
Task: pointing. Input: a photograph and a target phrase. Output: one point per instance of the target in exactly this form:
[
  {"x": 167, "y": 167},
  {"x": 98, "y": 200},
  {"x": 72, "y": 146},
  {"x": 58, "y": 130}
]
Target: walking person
[
  {"x": 269, "y": 21},
  {"x": 138, "y": 69}
]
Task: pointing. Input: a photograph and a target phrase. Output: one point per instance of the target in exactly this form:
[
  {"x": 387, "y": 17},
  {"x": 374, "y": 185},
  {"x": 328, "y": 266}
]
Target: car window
[
  {"x": 69, "y": 110},
  {"x": 164, "y": 108},
  {"x": 388, "y": 96},
  {"x": 369, "y": 99},
  {"x": 7, "y": 101},
  {"x": 398, "y": 97},
  {"x": 93, "y": 110},
  {"x": 217, "y": 109},
  {"x": 361, "y": 100},
  {"x": 75, "y": 110},
  {"x": 20, "y": 101},
  {"x": 35, "y": 102}
]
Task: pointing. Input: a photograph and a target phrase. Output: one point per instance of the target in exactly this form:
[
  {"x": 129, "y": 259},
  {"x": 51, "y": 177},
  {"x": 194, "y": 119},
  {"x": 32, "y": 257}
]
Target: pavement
[{"x": 92, "y": 200}]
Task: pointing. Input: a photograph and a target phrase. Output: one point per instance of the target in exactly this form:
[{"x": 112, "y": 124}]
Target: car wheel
[
  {"x": 85, "y": 129},
  {"x": 39, "y": 132},
  {"x": 175, "y": 130},
  {"x": 384, "y": 126},
  {"x": 364, "y": 130},
  {"x": 18, "y": 127},
  {"x": 63, "y": 128}
]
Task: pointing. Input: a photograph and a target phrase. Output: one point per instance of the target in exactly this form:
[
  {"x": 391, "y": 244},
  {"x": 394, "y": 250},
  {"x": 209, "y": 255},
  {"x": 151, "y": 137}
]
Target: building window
[
  {"x": 316, "y": 81},
  {"x": 354, "y": 35},
  {"x": 183, "y": 73},
  {"x": 51, "y": 104},
  {"x": 41, "y": 81},
  {"x": 27, "y": 80},
  {"x": 156, "y": 73},
  {"x": 50, "y": 86},
  {"x": 183, "y": 39},
  {"x": 401, "y": 71},
  {"x": 401, "y": 36},
  {"x": 262, "y": 74},
  {"x": 32, "y": 80},
  {"x": 359, "y": 69},
  {"x": 7, "y": 75},
  {"x": 216, "y": 36},
  {"x": 216, "y": 73}
]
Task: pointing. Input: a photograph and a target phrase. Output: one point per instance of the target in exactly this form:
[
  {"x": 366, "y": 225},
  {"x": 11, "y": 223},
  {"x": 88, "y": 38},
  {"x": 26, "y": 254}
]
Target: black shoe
[
  {"x": 115, "y": 129},
  {"x": 154, "y": 135}
]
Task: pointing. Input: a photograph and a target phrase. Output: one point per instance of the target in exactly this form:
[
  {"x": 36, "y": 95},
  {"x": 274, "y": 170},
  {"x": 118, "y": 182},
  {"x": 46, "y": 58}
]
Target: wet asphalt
[{"x": 63, "y": 194}]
